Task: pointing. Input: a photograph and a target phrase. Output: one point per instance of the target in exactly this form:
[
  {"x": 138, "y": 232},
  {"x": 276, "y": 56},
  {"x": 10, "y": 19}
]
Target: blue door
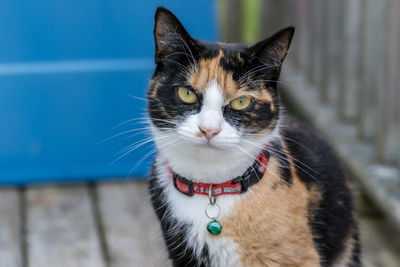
[{"x": 72, "y": 70}]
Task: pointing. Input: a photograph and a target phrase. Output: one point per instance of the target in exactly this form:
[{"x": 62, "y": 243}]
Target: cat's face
[{"x": 213, "y": 99}]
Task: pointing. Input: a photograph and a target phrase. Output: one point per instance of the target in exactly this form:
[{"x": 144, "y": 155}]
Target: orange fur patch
[
  {"x": 210, "y": 70},
  {"x": 154, "y": 85},
  {"x": 270, "y": 224}
]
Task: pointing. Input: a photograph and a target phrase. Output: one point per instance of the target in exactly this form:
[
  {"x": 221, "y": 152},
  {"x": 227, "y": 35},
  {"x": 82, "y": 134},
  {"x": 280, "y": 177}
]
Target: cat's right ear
[
  {"x": 169, "y": 35},
  {"x": 274, "y": 48}
]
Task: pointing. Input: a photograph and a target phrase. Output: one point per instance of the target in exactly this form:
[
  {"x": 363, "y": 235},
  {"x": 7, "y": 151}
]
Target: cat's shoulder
[
  {"x": 292, "y": 126},
  {"x": 315, "y": 160},
  {"x": 306, "y": 143}
]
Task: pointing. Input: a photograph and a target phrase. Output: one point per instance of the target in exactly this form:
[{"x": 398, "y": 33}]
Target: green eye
[
  {"x": 187, "y": 95},
  {"x": 240, "y": 103}
]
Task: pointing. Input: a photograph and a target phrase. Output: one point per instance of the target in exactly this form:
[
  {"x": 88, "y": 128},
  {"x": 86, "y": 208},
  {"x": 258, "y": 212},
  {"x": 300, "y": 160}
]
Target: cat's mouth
[{"x": 208, "y": 145}]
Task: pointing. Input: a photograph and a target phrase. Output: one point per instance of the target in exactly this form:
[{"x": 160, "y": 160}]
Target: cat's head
[{"x": 213, "y": 103}]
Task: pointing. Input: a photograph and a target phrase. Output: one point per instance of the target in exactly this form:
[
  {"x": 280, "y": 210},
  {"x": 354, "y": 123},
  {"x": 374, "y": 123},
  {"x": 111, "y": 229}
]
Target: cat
[{"x": 236, "y": 182}]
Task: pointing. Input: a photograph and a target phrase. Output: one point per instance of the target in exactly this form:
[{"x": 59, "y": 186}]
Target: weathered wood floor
[
  {"x": 108, "y": 224},
  {"x": 113, "y": 225}
]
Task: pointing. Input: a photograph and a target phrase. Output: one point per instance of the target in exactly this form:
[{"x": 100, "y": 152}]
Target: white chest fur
[{"x": 191, "y": 211}]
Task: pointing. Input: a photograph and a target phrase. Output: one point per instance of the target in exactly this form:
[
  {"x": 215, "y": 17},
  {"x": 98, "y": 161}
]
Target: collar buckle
[
  {"x": 183, "y": 185},
  {"x": 243, "y": 180}
]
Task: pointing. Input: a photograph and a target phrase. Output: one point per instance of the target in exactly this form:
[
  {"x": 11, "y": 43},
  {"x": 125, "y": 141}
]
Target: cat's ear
[
  {"x": 274, "y": 48},
  {"x": 169, "y": 35}
]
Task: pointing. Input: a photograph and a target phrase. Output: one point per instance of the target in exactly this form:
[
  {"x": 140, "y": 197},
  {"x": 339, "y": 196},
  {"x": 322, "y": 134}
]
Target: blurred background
[
  {"x": 342, "y": 75},
  {"x": 72, "y": 75},
  {"x": 74, "y": 153}
]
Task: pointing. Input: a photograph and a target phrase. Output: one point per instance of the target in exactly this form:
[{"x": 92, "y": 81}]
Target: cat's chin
[
  {"x": 207, "y": 146},
  {"x": 209, "y": 150}
]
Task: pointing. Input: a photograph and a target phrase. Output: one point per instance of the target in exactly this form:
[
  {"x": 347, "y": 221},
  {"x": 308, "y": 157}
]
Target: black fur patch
[{"x": 317, "y": 165}]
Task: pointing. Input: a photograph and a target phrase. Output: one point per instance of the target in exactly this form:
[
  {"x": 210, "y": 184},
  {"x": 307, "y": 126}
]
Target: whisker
[
  {"x": 300, "y": 162},
  {"x": 300, "y": 144},
  {"x": 188, "y": 48},
  {"x": 133, "y": 147},
  {"x": 255, "y": 70},
  {"x": 122, "y": 123},
  {"x": 255, "y": 81},
  {"x": 155, "y": 149},
  {"x": 119, "y": 134},
  {"x": 297, "y": 166},
  {"x": 255, "y": 159},
  {"x": 283, "y": 137},
  {"x": 136, "y": 97},
  {"x": 148, "y": 131},
  {"x": 176, "y": 62},
  {"x": 245, "y": 74},
  {"x": 270, "y": 149}
]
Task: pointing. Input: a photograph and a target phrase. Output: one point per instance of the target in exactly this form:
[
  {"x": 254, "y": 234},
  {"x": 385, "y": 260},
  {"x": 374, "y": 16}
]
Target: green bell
[{"x": 214, "y": 227}]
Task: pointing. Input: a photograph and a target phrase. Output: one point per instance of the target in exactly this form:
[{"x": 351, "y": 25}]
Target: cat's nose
[{"x": 209, "y": 132}]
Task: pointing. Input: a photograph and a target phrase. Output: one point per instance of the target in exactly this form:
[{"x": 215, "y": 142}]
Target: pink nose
[{"x": 209, "y": 132}]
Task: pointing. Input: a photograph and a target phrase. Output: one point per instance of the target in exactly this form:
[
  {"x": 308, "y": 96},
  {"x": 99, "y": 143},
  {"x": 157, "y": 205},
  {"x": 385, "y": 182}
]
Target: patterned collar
[{"x": 236, "y": 185}]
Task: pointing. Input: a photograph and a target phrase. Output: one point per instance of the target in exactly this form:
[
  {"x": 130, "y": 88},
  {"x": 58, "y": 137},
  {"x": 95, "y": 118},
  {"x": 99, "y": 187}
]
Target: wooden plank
[
  {"x": 10, "y": 228},
  {"x": 373, "y": 56},
  {"x": 388, "y": 111},
  {"x": 362, "y": 118},
  {"x": 382, "y": 85},
  {"x": 397, "y": 97},
  {"x": 302, "y": 34},
  {"x": 316, "y": 35},
  {"x": 349, "y": 99},
  {"x": 61, "y": 229},
  {"x": 131, "y": 229},
  {"x": 325, "y": 51},
  {"x": 335, "y": 49}
]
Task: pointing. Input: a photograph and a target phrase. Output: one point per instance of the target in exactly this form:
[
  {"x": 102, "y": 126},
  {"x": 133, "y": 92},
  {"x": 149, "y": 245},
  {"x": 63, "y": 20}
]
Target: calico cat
[{"x": 236, "y": 182}]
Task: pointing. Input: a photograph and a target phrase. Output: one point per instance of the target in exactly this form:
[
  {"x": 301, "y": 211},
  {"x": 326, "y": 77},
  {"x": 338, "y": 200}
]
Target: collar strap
[{"x": 237, "y": 185}]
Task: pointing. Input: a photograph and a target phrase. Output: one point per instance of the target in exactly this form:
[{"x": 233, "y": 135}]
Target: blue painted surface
[{"x": 68, "y": 70}]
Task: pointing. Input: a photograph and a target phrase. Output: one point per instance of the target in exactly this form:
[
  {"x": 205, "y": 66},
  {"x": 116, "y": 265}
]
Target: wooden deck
[
  {"x": 108, "y": 224},
  {"x": 113, "y": 225}
]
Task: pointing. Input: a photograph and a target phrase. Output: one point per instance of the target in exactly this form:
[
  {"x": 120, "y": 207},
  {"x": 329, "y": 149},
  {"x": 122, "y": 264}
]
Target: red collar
[{"x": 237, "y": 185}]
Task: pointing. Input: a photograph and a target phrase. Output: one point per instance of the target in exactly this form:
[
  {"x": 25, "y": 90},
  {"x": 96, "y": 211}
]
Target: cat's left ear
[
  {"x": 273, "y": 49},
  {"x": 169, "y": 35}
]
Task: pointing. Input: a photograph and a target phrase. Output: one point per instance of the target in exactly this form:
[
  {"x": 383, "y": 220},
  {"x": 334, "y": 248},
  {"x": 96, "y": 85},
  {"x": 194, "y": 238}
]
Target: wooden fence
[{"x": 345, "y": 62}]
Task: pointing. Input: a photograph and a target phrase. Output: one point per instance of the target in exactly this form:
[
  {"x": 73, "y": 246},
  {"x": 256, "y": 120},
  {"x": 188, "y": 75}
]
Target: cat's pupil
[
  {"x": 241, "y": 100},
  {"x": 187, "y": 92}
]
